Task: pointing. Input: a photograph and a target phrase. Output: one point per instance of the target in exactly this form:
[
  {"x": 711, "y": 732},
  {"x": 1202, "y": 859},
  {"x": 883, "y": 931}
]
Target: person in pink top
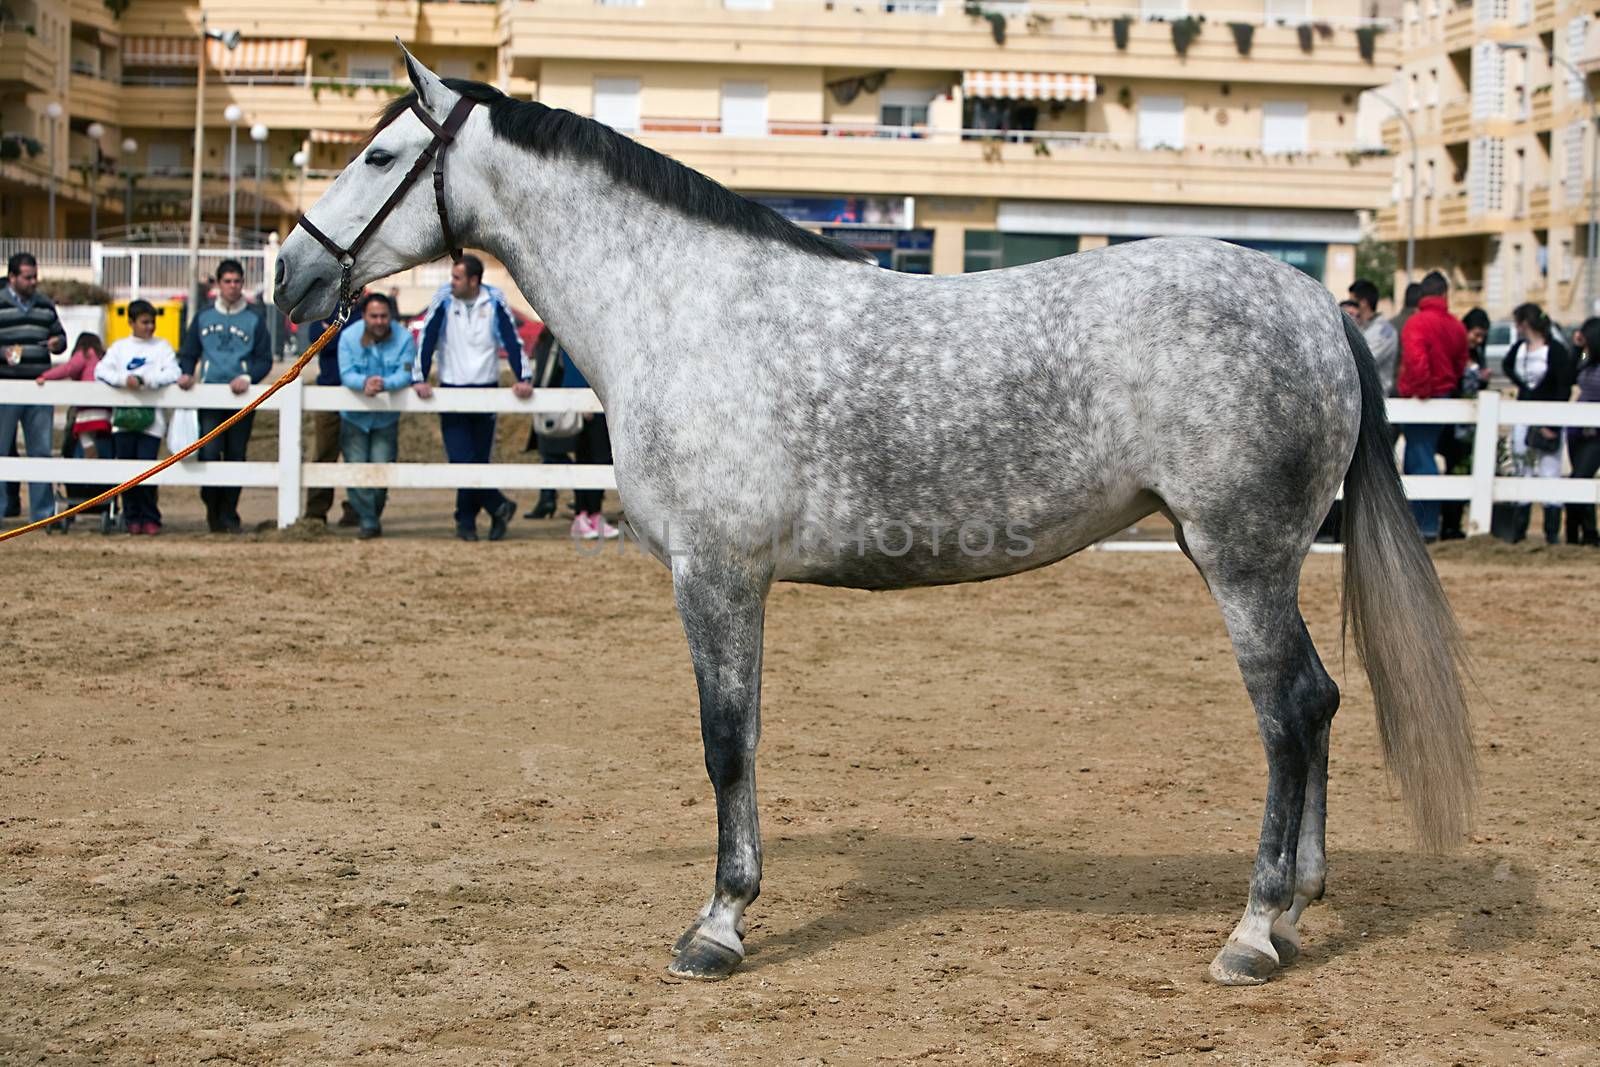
[{"x": 91, "y": 426}]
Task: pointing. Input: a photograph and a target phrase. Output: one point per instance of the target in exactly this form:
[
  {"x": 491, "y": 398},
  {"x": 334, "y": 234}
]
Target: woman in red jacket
[{"x": 1433, "y": 355}]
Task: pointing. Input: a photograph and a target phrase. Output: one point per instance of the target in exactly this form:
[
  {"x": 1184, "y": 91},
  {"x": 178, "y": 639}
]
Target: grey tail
[{"x": 1404, "y": 630}]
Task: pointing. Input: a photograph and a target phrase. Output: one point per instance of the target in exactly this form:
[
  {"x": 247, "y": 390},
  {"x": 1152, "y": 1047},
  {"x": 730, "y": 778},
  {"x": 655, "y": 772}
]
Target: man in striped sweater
[{"x": 30, "y": 330}]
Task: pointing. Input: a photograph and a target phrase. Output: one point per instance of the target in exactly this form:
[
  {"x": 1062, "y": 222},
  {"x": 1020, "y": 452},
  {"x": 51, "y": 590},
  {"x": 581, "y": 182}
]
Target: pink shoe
[
  {"x": 604, "y": 528},
  {"x": 583, "y": 527}
]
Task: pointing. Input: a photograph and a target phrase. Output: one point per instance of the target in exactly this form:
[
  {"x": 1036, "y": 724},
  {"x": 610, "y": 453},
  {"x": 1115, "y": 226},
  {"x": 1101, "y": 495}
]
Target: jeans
[
  {"x": 327, "y": 441},
  {"x": 469, "y": 438},
  {"x": 139, "y": 503},
  {"x": 1421, "y": 457},
  {"x": 360, "y": 445},
  {"x": 222, "y": 501},
  {"x": 37, "y": 421}
]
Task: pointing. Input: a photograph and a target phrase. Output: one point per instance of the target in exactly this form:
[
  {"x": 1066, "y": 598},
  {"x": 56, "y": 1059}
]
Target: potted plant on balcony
[
  {"x": 1119, "y": 31},
  {"x": 1303, "y": 31},
  {"x": 1243, "y": 34},
  {"x": 1367, "y": 41},
  {"x": 1184, "y": 31},
  {"x": 997, "y": 21}
]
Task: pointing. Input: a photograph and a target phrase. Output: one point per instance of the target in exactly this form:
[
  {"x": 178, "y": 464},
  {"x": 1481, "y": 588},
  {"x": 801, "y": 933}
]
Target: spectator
[
  {"x": 327, "y": 429},
  {"x": 467, "y": 323},
  {"x": 1542, "y": 369},
  {"x": 1583, "y": 442},
  {"x": 548, "y": 358},
  {"x": 593, "y": 446},
  {"x": 1382, "y": 337},
  {"x": 30, "y": 332},
  {"x": 374, "y": 358},
  {"x": 226, "y": 343},
  {"x": 1433, "y": 355},
  {"x": 143, "y": 361},
  {"x": 1351, "y": 308},
  {"x": 1455, "y": 442},
  {"x": 1412, "y": 301},
  {"x": 91, "y": 426}
]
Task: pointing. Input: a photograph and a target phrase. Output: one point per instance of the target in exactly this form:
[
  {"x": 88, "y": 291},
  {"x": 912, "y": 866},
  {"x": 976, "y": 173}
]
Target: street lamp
[
  {"x": 1416, "y": 174},
  {"x": 1589, "y": 266},
  {"x": 233, "y": 113},
  {"x": 55, "y": 111},
  {"x": 95, "y": 132},
  {"x": 230, "y": 40},
  {"x": 258, "y": 134},
  {"x": 129, "y": 147}
]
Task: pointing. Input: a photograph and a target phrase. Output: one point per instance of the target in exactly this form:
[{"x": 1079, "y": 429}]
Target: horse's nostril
[{"x": 281, "y": 272}]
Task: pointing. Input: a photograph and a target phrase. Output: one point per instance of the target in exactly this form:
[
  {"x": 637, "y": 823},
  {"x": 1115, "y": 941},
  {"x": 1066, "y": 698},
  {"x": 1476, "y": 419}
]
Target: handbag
[
  {"x": 1537, "y": 441},
  {"x": 183, "y": 429},
  {"x": 553, "y": 425},
  {"x": 133, "y": 420}
]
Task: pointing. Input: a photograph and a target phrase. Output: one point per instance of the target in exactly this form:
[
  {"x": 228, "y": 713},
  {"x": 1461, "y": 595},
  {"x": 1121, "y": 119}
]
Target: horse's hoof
[
  {"x": 705, "y": 960},
  {"x": 684, "y": 938},
  {"x": 1242, "y": 965},
  {"x": 1288, "y": 951}
]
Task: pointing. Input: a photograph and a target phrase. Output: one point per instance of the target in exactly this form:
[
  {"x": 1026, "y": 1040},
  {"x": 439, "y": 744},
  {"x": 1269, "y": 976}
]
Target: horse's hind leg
[
  {"x": 1258, "y": 592},
  {"x": 722, "y": 609}
]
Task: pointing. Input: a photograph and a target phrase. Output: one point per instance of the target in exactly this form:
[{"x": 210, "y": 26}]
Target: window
[
  {"x": 165, "y": 157},
  {"x": 1160, "y": 122},
  {"x": 453, "y": 68},
  {"x": 1428, "y": 189},
  {"x": 744, "y": 109},
  {"x": 370, "y": 66},
  {"x": 1283, "y": 126},
  {"x": 986, "y": 249},
  {"x": 904, "y": 107},
  {"x": 1433, "y": 88},
  {"x": 616, "y": 103}
]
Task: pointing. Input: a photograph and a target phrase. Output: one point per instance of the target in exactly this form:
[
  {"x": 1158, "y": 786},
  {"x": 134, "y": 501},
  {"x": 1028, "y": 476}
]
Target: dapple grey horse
[{"x": 781, "y": 410}]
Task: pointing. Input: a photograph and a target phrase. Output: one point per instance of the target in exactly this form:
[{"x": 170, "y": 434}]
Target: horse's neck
[{"x": 616, "y": 276}]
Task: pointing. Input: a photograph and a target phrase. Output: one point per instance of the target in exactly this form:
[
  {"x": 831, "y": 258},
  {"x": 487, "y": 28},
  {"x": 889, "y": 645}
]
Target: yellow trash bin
[{"x": 169, "y": 321}]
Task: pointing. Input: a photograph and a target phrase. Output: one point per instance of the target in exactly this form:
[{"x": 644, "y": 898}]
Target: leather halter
[{"x": 443, "y": 137}]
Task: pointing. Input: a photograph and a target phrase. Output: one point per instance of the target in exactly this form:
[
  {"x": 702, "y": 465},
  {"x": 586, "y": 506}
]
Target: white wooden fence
[{"x": 291, "y": 474}]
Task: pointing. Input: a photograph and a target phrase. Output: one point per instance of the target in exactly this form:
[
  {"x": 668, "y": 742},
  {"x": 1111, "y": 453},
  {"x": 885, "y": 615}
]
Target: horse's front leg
[{"x": 722, "y": 607}]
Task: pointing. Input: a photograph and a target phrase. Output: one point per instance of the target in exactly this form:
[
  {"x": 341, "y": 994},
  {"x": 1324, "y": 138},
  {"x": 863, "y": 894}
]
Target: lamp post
[
  {"x": 95, "y": 132},
  {"x": 1589, "y": 265},
  {"x": 231, "y": 41},
  {"x": 129, "y": 147},
  {"x": 258, "y": 134},
  {"x": 233, "y": 113},
  {"x": 55, "y": 111},
  {"x": 1416, "y": 174}
]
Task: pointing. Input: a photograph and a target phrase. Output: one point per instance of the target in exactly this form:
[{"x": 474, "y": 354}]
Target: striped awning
[
  {"x": 1026, "y": 85},
  {"x": 337, "y": 136},
  {"x": 253, "y": 54}
]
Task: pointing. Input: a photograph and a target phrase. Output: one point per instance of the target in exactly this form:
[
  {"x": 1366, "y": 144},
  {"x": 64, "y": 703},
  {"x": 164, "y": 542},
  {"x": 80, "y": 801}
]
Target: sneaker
[
  {"x": 151, "y": 529},
  {"x": 466, "y": 533},
  {"x": 584, "y": 528},
  {"x": 607, "y": 530},
  {"x": 368, "y": 533},
  {"x": 135, "y": 528},
  {"x": 499, "y": 517}
]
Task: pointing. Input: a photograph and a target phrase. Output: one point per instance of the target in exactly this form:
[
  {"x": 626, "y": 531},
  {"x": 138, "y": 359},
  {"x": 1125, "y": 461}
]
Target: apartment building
[
  {"x": 1494, "y": 96},
  {"x": 941, "y": 136}
]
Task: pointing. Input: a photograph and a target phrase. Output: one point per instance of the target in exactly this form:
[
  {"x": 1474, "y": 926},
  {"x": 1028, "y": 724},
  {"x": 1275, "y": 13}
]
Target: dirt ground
[{"x": 268, "y": 800}]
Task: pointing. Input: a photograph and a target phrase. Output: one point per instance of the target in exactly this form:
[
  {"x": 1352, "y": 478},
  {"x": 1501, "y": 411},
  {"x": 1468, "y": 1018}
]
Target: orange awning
[{"x": 273, "y": 54}]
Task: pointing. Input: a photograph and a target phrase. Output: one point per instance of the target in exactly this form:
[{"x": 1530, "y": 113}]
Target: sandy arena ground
[{"x": 270, "y": 800}]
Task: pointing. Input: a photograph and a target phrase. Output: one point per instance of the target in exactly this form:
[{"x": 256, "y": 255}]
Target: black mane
[{"x": 550, "y": 131}]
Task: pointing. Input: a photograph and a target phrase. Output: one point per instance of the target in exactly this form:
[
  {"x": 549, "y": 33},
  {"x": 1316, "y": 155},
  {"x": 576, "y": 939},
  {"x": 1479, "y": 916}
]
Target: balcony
[
  {"x": 94, "y": 13},
  {"x": 930, "y": 37},
  {"x": 459, "y": 23},
  {"x": 25, "y": 62},
  {"x": 347, "y": 20},
  {"x": 92, "y": 98},
  {"x": 1437, "y": 216},
  {"x": 1459, "y": 29},
  {"x": 800, "y": 157},
  {"x": 1539, "y": 203},
  {"x": 288, "y": 101},
  {"x": 1455, "y": 120},
  {"x": 1541, "y": 108}
]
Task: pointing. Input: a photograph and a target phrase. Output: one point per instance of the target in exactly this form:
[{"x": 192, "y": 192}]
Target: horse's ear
[{"x": 431, "y": 91}]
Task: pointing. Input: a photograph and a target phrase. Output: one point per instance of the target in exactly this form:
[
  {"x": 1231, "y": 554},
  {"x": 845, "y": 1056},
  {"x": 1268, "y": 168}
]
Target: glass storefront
[
  {"x": 988, "y": 249},
  {"x": 1303, "y": 255},
  {"x": 908, "y": 251}
]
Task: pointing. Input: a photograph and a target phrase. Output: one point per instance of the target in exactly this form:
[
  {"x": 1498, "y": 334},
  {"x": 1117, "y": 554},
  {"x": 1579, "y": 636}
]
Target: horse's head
[{"x": 309, "y": 272}]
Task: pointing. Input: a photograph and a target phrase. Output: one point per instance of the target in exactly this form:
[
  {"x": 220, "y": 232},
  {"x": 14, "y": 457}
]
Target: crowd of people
[{"x": 1424, "y": 352}]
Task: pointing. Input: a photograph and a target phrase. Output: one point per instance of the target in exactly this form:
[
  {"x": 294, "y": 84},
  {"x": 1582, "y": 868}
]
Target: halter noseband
[{"x": 443, "y": 137}]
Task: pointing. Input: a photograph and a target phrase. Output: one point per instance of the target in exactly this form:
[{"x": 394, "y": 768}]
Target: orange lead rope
[{"x": 288, "y": 376}]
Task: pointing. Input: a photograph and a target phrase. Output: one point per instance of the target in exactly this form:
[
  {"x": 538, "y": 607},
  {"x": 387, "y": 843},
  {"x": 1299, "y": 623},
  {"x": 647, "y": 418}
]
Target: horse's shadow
[{"x": 900, "y": 880}]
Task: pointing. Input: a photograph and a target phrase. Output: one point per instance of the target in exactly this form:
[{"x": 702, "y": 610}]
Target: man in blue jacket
[
  {"x": 226, "y": 344},
  {"x": 466, "y": 325},
  {"x": 374, "y": 358}
]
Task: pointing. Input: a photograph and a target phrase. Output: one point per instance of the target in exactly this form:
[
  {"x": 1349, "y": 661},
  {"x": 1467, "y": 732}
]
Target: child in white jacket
[{"x": 143, "y": 361}]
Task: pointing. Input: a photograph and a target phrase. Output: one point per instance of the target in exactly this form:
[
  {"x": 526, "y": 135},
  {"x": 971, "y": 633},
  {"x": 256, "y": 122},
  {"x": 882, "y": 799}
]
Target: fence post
[
  {"x": 1485, "y": 460},
  {"x": 133, "y": 274},
  {"x": 97, "y": 266},
  {"x": 289, "y": 452}
]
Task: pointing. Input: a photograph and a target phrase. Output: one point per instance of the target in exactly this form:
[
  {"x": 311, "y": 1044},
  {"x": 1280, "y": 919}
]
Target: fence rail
[{"x": 291, "y": 473}]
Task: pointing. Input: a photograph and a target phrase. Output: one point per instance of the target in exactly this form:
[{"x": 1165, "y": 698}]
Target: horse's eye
[{"x": 379, "y": 158}]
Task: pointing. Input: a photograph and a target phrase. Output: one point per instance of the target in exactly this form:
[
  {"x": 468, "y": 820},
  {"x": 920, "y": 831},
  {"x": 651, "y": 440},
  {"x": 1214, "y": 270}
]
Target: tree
[{"x": 1376, "y": 262}]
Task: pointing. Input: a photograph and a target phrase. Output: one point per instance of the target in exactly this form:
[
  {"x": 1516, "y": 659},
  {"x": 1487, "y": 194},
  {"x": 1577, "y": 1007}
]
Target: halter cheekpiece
[{"x": 443, "y": 137}]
